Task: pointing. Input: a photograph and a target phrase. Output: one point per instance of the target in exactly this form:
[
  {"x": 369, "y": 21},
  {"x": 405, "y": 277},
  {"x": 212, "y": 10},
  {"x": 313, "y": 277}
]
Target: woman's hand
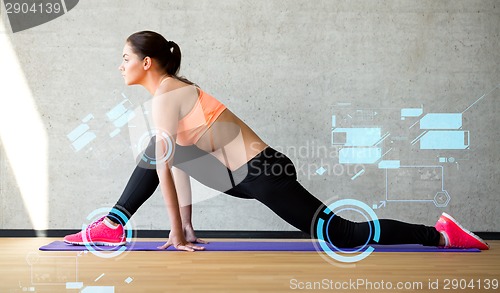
[
  {"x": 190, "y": 236},
  {"x": 178, "y": 241}
]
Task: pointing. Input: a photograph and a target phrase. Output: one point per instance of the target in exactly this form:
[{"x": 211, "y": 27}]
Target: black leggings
[{"x": 270, "y": 177}]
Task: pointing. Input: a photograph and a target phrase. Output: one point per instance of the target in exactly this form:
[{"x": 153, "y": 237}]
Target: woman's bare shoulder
[{"x": 175, "y": 90}]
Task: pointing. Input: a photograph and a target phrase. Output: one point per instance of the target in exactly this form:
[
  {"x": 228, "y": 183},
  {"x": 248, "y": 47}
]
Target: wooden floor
[{"x": 23, "y": 268}]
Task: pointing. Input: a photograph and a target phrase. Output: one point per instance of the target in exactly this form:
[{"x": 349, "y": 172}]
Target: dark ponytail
[{"x": 166, "y": 53}]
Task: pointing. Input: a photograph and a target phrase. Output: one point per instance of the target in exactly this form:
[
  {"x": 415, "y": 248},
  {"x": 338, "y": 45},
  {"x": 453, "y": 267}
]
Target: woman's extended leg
[{"x": 273, "y": 181}]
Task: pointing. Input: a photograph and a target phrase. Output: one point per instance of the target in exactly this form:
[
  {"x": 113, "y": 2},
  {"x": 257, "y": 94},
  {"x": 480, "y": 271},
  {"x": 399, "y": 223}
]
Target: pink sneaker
[
  {"x": 457, "y": 236},
  {"x": 98, "y": 233}
]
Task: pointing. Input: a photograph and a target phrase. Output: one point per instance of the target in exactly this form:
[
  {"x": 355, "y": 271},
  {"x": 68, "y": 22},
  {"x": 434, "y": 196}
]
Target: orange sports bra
[{"x": 204, "y": 113}]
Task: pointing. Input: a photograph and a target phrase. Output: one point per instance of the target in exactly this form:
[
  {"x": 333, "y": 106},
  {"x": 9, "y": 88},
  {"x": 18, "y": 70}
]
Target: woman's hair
[{"x": 154, "y": 45}]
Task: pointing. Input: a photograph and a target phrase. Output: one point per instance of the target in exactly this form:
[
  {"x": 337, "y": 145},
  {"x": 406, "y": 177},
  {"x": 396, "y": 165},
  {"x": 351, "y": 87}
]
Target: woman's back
[{"x": 226, "y": 137}]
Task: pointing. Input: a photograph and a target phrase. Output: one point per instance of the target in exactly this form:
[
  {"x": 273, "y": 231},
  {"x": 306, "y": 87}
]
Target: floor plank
[{"x": 23, "y": 268}]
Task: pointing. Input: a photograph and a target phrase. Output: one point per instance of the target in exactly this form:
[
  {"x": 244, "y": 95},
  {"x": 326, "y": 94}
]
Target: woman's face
[{"x": 131, "y": 68}]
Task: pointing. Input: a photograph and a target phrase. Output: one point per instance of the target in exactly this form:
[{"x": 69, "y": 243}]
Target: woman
[{"x": 215, "y": 147}]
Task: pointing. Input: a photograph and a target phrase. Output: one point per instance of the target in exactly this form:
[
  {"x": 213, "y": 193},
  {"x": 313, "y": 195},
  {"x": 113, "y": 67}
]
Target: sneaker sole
[
  {"x": 98, "y": 243},
  {"x": 465, "y": 230}
]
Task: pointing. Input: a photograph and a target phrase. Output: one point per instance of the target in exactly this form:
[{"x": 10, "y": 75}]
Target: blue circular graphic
[
  {"x": 322, "y": 226},
  {"x": 348, "y": 251},
  {"x": 100, "y": 251},
  {"x": 165, "y": 138}
]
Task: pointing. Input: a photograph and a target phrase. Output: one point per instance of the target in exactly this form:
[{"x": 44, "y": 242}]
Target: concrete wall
[{"x": 284, "y": 67}]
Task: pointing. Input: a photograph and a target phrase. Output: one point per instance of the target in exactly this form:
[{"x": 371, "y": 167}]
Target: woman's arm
[
  {"x": 169, "y": 193},
  {"x": 184, "y": 193},
  {"x": 165, "y": 117}
]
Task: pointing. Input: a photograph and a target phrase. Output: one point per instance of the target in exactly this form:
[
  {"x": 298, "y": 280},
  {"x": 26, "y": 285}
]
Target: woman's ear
[{"x": 147, "y": 62}]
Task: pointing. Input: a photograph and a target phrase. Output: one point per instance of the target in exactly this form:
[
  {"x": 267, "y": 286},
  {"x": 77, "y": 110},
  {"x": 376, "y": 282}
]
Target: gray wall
[{"x": 284, "y": 67}]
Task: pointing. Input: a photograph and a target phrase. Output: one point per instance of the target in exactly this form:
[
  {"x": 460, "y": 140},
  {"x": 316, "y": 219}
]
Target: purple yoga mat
[{"x": 249, "y": 246}]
